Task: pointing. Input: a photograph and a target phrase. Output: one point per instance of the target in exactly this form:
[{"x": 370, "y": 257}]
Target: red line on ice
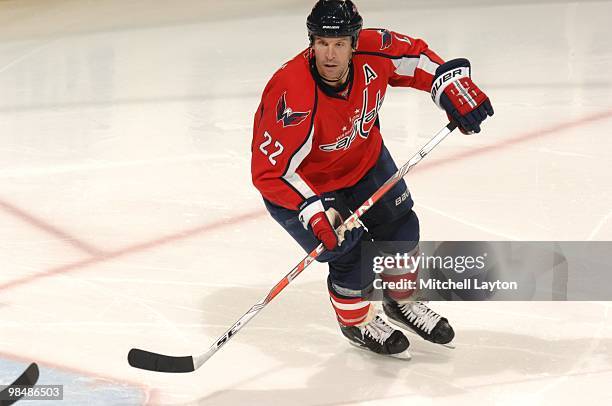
[
  {"x": 133, "y": 249},
  {"x": 519, "y": 139}
]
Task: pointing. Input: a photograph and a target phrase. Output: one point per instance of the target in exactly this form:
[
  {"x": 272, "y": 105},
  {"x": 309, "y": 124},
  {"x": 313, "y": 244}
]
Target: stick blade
[
  {"x": 151, "y": 361},
  {"x": 29, "y": 376}
]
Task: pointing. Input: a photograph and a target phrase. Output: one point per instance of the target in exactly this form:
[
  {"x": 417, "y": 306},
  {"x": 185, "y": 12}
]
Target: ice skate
[
  {"x": 379, "y": 337},
  {"x": 420, "y": 319}
]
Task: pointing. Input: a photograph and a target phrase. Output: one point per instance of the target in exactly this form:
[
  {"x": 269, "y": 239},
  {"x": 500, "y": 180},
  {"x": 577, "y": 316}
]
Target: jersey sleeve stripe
[
  {"x": 291, "y": 177},
  {"x": 407, "y": 66}
]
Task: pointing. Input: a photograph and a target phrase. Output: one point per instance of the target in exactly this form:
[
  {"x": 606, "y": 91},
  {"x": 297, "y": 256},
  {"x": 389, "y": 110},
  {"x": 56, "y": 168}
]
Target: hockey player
[{"x": 318, "y": 154}]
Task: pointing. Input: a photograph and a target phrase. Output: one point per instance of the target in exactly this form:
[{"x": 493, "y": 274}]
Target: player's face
[{"x": 332, "y": 57}]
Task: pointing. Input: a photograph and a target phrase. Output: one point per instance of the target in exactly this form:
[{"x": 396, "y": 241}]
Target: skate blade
[
  {"x": 405, "y": 355},
  {"x": 408, "y": 329}
]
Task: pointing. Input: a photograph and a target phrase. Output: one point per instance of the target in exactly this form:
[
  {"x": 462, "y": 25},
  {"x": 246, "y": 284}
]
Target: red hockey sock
[{"x": 350, "y": 311}]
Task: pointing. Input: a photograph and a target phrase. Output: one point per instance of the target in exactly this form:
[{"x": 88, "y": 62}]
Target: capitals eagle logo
[
  {"x": 386, "y": 39},
  {"x": 285, "y": 114}
]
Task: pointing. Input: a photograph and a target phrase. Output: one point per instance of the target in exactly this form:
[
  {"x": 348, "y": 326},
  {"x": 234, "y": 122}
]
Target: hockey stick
[
  {"x": 27, "y": 379},
  {"x": 164, "y": 363}
]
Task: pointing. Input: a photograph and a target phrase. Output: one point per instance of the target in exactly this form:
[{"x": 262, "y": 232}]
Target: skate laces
[
  {"x": 378, "y": 330},
  {"x": 420, "y": 315}
]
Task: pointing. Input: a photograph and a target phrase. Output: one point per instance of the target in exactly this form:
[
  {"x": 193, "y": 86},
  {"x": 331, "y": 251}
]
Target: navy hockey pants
[{"x": 390, "y": 219}]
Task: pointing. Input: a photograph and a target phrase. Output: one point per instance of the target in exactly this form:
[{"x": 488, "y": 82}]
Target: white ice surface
[{"x": 129, "y": 122}]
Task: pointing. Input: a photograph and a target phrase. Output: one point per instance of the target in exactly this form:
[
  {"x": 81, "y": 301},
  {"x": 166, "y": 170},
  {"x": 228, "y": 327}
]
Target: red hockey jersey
[{"x": 307, "y": 141}]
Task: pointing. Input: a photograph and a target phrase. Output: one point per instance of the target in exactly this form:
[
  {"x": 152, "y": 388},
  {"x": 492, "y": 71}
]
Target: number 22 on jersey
[{"x": 264, "y": 145}]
